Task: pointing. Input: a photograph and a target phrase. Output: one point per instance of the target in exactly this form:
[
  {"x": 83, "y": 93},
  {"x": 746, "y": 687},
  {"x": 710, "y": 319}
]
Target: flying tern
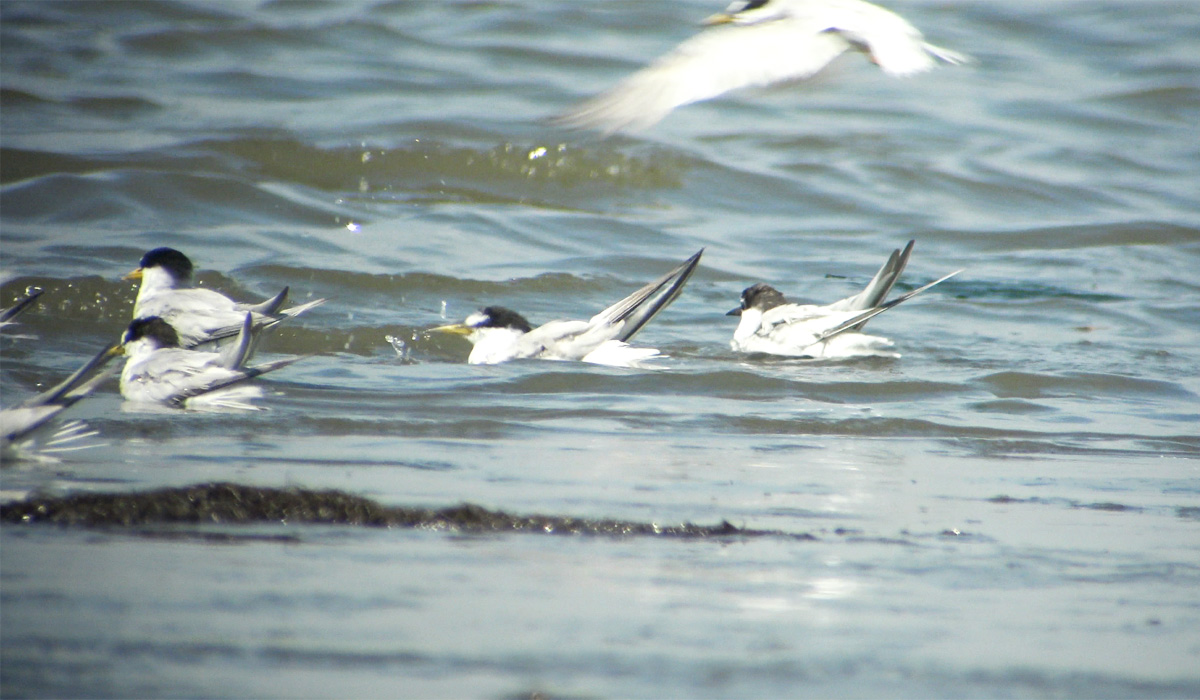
[
  {"x": 199, "y": 315},
  {"x": 500, "y": 334},
  {"x": 757, "y": 43},
  {"x": 159, "y": 371},
  {"x": 771, "y": 325}
]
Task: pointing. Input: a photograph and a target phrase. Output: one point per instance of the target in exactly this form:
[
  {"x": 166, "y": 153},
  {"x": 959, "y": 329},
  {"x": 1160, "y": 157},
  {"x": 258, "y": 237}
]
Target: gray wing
[
  {"x": 174, "y": 375},
  {"x": 38, "y": 410},
  {"x": 860, "y": 319},
  {"x": 268, "y": 307},
  {"x": 294, "y": 311},
  {"x": 636, "y": 310},
  {"x": 709, "y": 64},
  {"x": 21, "y": 304},
  {"x": 19, "y": 421},
  {"x": 235, "y": 377},
  {"x": 879, "y": 286},
  {"x": 260, "y": 323},
  {"x": 556, "y": 340},
  {"x": 81, "y": 382},
  {"x": 234, "y": 356}
]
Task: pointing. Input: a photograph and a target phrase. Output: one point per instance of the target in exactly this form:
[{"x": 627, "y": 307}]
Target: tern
[
  {"x": 757, "y": 43},
  {"x": 500, "y": 334},
  {"x": 25, "y": 430},
  {"x": 159, "y": 371},
  {"x": 771, "y": 325},
  {"x": 199, "y": 316}
]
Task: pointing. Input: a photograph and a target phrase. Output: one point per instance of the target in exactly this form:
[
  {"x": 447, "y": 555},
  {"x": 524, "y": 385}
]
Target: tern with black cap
[
  {"x": 758, "y": 43},
  {"x": 772, "y": 325},
  {"x": 499, "y": 334},
  {"x": 199, "y": 315}
]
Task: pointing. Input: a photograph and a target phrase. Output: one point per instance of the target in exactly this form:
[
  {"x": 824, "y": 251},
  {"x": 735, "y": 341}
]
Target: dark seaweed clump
[{"x": 233, "y": 504}]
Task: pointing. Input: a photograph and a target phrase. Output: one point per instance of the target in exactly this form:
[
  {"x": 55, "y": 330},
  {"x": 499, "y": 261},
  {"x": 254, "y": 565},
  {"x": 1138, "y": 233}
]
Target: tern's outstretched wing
[
  {"x": 36, "y": 411},
  {"x": 268, "y": 307},
  {"x": 860, "y": 319},
  {"x": 636, "y": 310},
  {"x": 709, "y": 64},
  {"x": 235, "y": 356},
  {"x": 891, "y": 42},
  {"x": 260, "y": 322},
  {"x": 21, "y": 304},
  {"x": 879, "y": 287},
  {"x": 232, "y": 378},
  {"x": 81, "y": 382},
  {"x": 794, "y": 45}
]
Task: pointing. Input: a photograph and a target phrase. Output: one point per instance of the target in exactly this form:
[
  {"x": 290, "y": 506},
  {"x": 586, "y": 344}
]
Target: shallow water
[{"x": 1009, "y": 509}]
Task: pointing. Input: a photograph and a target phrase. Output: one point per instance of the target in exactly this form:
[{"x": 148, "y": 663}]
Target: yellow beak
[
  {"x": 115, "y": 350},
  {"x": 135, "y": 275},
  {"x": 719, "y": 18},
  {"x": 454, "y": 328}
]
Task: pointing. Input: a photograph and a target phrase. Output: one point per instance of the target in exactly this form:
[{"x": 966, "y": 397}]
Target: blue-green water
[{"x": 1010, "y": 509}]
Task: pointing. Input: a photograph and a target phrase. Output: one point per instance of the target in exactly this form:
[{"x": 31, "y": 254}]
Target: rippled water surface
[{"x": 1012, "y": 508}]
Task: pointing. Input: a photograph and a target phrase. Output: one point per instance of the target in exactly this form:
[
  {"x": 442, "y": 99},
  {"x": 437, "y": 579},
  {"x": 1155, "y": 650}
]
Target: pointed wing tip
[
  {"x": 294, "y": 311},
  {"x": 950, "y": 56},
  {"x": 604, "y": 128},
  {"x": 280, "y": 364},
  {"x": 908, "y": 64},
  {"x": 616, "y": 110},
  {"x": 579, "y": 119},
  {"x": 689, "y": 266},
  {"x": 21, "y": 305}
]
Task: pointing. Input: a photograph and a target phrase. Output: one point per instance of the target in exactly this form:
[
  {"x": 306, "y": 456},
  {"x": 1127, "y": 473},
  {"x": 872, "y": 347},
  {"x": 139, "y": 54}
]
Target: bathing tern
[
  {"x": 28, "y": 430},
  {"x": 159, "y": 371},
  {"x": 500, "y": 334},
  {"x": 199, "y": 316},
  {"x": 757, "y": 43},
  {"x": 771, "y": 325}
]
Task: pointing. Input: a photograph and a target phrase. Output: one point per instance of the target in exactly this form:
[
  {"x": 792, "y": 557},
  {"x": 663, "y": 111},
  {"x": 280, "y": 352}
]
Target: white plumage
[
  {"x": 771, "y": 325},
  {"x": 756, "y": 43},
  {"x": 499, "y": 334},
  {"x": 199, "y": 316},
  {"x": 159, "y": 372}
]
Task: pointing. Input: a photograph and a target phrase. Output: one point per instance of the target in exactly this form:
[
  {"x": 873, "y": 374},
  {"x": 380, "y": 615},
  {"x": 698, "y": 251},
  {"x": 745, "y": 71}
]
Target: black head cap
[
  {"x": 746, "y": 5},
  {"x": 500, "y": 317},
  {"x": 169, "y": 259},
  {"x": 152, "y": 327},
  {"x": 762, "y": 297}
]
